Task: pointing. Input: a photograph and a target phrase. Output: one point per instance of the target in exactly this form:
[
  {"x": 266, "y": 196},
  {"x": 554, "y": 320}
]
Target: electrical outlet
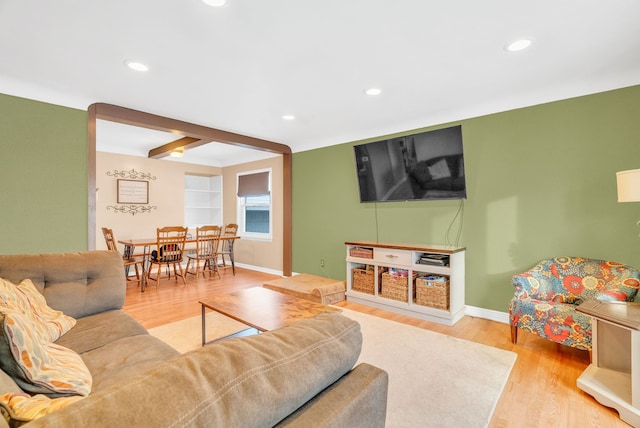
[{"x": 321, "y": 262}]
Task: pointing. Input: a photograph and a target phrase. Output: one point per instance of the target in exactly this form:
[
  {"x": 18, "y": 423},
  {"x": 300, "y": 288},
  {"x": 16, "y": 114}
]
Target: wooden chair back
[
  {"x": 128, "y": 259},
  {"x": 170, "y": 244},
  {"x": 207, "y": 241},
  {"x": 231, "y": 229},
  {"x": 109, "y": 239}
]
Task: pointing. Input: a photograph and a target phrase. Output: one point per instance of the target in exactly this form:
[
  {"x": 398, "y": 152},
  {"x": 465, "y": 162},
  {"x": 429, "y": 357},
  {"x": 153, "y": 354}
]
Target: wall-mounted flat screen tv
[{"x": 424, "y": 166}]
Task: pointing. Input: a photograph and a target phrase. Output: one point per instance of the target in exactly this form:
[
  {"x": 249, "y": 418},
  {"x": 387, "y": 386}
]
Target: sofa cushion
[
  {"x": 114, "y": 347},
  {"x": 124, "y": 358},
  {"x": 248, "y": 382},
  {"x": 7, "y": 384},
  {"x": 94, "y": 331},
  {"x": 78, "y": 284},
  {"x": 38, "y": 366}
]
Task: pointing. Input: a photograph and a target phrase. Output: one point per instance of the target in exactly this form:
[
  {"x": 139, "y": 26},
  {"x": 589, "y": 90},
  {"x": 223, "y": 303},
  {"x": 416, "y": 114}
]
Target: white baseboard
[
  {"x": 489, "y": 314},
  {"x": 260, "y": 269}
]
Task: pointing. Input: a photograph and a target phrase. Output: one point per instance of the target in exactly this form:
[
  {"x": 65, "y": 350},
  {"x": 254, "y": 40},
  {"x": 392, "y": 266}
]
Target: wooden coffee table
[{"x": 261, "y": 309}]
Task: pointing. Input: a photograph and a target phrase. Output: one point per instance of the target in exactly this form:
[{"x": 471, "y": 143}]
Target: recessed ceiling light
[
  {"x": 215, "y": 3},
  {"x": 518, "y": 45},
  {"x": 137, "y": 66},
  {"x": 177, "y": 153},
  {"x": 288, "y": 117},
  {"x": 373, "y": 91}
]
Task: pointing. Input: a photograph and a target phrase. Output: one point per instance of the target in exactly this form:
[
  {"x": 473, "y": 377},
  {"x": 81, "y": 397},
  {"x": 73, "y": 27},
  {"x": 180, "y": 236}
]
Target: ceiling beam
[
  {"x": 184, "y": 143},
  {"x": 129, "y": 116}
]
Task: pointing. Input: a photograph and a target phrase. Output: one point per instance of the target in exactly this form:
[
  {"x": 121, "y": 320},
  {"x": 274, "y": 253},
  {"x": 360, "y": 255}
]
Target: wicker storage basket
[
  {"x": 395, "y": 287},
  {"x": 363, "y": 280},
  {"x": 432, "y": 293},
  {"x": 363, "y": 253}
]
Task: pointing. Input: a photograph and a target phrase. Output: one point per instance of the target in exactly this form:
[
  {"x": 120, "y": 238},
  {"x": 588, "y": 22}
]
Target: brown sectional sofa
[{"x": 298, "y": 376}]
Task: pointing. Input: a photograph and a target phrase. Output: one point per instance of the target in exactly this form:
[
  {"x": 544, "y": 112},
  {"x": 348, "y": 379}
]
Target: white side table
[{"x": 613, "y": 377}]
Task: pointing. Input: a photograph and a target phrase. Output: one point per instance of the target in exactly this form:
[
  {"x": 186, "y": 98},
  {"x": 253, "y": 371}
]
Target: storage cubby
[
  {"x": 417, "y": 280},
  {"x": 363, "y": 278}
]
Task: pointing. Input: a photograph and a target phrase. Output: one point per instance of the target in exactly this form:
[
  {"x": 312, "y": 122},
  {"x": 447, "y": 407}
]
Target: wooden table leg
[
  {"x": 145, "y": 263},
  {"x": 231, "y": 257}
]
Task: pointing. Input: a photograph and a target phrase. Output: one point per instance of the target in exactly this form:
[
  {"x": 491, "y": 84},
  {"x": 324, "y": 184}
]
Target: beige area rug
[
  {"x": 186, "y": 335},
  {"x": 434, "y": 380}
]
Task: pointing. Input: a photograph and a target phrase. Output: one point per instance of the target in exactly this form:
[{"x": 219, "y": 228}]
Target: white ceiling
[
  {"x": 135, "y": 141},
  {"x": 241, "y": 67}
]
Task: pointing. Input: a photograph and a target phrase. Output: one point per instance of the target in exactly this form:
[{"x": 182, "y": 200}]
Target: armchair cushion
[{"x": 546, "y": 296}]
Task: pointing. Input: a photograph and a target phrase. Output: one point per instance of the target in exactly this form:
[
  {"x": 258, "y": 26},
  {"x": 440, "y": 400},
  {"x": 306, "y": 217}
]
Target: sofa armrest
[
  {"x": 522, "y": 285},
  {"x": 254, "y": 381},
  {"x": 357, "y": 400}
]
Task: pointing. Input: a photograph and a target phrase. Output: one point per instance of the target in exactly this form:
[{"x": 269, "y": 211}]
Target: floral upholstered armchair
[{"x": 546, "y": 297}]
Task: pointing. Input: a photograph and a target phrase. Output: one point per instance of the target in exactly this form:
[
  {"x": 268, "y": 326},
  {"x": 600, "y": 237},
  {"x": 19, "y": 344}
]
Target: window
[{"x": 254, "y": 205}]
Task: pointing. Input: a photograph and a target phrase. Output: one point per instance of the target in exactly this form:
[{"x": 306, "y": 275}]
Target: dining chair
[
  {"x": 170, "y": 242},
  {"x": 230, "y": 230},
  {"x": 129, "y": 260},
  {"x": 207, "y": 242}
]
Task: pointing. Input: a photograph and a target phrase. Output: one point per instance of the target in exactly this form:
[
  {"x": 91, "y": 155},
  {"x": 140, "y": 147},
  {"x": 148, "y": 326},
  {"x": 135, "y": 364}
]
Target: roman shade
[{"x": 253, "y": 184}]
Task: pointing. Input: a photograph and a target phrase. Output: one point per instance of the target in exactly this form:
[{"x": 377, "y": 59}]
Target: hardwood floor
[{"x": 541, "y": 391}]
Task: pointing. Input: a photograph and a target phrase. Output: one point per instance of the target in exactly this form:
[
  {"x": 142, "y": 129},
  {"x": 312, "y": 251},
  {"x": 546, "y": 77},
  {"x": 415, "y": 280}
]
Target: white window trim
[{"x": 252, "y": 236}]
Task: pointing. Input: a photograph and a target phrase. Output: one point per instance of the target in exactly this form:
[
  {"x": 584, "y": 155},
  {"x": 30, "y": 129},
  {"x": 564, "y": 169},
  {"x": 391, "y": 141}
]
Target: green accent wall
[
  {"x": 540, "y": 183},
  {"x": 43, "y": 177}
]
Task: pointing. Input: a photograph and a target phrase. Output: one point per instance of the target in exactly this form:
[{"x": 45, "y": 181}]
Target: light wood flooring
[{"x": 541, "y": 391}]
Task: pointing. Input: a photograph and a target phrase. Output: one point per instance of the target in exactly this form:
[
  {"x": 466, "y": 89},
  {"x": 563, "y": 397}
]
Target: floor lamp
[{"x": 629, "y": 186}]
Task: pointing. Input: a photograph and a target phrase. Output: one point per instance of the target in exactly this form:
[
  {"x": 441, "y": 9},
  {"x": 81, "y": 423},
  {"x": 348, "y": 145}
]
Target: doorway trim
[{"x": 128, "y": 116}]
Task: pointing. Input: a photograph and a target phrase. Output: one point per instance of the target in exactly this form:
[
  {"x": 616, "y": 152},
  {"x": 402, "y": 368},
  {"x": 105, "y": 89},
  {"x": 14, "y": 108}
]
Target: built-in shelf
[{"x": 202, "y": 201}]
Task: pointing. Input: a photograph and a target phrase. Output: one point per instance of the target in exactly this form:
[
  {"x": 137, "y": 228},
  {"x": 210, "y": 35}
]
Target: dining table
[{"x": 148, "y": 243}]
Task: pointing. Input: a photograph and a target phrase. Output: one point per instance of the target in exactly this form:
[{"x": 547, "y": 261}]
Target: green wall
[
  {"x": 540, "y": 183},
  {"x": 43, "y": 177}
]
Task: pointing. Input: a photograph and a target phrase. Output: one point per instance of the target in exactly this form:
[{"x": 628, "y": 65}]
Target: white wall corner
[{"x": 502, "y": 317}]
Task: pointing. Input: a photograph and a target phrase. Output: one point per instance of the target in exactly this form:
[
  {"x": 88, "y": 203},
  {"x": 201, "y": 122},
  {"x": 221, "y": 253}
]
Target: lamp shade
[{"x": 628, "y": 185}]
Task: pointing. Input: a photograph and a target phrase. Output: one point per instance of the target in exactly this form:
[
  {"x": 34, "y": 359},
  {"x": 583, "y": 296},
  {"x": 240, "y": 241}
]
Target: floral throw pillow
[{"x": 38, "y": 366}]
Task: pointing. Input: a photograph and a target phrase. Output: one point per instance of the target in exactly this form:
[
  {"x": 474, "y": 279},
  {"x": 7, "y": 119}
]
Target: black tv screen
[{"x": 424, "y": 166}]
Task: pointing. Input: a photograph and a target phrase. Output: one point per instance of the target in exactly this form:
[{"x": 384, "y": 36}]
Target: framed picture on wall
[{"x": 133, "y": 192}]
